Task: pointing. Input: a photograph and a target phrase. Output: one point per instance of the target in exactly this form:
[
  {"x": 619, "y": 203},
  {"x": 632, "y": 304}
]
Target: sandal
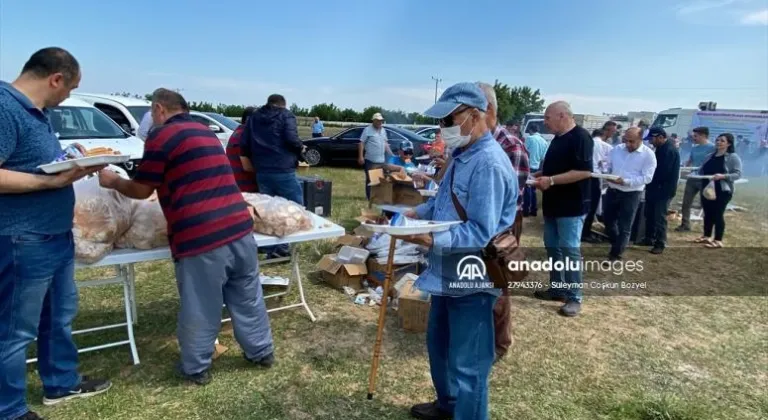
[
  {"x": 714, "y": 245},
  {"x": 703, "y": 240}
]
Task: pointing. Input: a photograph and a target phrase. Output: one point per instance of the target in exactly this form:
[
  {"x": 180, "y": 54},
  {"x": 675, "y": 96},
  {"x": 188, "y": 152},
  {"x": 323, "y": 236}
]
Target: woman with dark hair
[{"x": 724, "y": 165}]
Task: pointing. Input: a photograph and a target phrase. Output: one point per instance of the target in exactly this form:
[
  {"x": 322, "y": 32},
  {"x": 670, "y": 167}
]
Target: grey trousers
[
  {"x": 226, "y": 275},
  {"x": 692, "y": 189}
]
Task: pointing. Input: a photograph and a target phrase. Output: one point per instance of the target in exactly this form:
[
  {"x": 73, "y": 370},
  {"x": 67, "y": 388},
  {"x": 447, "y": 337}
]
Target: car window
[
  {"x": 394, "y": 136},
  {"x": 353, "y": 134},
  {"x": 202, "y": 120},
  {"x": 83, "y": 123},
  {"x": 430, "y": 134},
  {"x": 114, "y": 114}
]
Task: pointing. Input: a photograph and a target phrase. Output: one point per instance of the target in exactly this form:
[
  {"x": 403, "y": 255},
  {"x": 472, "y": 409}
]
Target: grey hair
[
  {"x": 490, "y": 94},
  {"x": 169, "y": 99},
  {"x": 563, "y": 106}
]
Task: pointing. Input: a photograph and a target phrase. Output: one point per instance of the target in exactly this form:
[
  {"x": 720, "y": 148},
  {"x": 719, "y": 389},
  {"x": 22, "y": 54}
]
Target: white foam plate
[
  {"x": 410, "y": 230},
  {"x": 700, "y": 176},
  {"x": 54, "y": 168},
  {"x": 424, "y": 157},
  {"x": 689, "y": 168},
  {"x": 428, "y": 193},
  {"x": 605, "y": 176},
  {"x": 530, "y": 182}
]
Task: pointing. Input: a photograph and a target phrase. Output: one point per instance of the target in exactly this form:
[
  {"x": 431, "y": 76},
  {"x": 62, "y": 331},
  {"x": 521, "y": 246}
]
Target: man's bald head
[
  {"x": 559, "y": 117},
  {"x": 633, "y": 138}
]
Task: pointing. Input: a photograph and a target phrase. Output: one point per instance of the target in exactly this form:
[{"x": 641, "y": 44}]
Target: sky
[{"x": 602, "y": 56}]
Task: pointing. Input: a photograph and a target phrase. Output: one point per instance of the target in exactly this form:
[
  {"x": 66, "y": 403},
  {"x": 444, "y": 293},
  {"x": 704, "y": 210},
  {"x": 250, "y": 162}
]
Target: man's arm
[
  {"x": 247, "y": 165},
  {"x": 673, "y": 166},
  {"x": 12, "y": 182},
  {"x": 646, "y": 173},
  {"x": 291, "y": 135},
  {"x": 128, "y": 188}
]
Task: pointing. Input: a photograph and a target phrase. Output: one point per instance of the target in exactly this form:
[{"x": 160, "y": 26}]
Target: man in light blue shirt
[
  {"x": 373, "y": 149},
  {"x": 317, "y": 128},
  {"x": 460, "y": 331},
  {"x": 701, "y": 149},
  {"x": 537, "y": 148}
]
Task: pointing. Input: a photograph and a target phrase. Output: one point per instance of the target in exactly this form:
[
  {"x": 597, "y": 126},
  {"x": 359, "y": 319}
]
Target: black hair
[
  {"x": 50, "y": 61},
  {"x": 674, "y": 135},
  {"x": 276, "y": 100},
  {"x": 532, "y": 128},
  {"x": 597, "y": 133},
  {"x": 169, "y": 99},
  {"x": 246, "y": 114},
  {"x": 704, "y": 131},
  {"x": 609, "y": 124},
  {"x": 729, "y": 139}
]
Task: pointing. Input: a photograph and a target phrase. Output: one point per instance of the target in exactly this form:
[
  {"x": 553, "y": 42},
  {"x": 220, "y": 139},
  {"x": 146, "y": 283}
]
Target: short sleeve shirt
[
  {"x": 374, "y": 144},
  {"x": 571, "y": 151}
]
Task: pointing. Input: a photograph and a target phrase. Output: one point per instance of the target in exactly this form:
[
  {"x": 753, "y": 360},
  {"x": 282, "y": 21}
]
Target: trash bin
[{"x": 317, "y": 194}]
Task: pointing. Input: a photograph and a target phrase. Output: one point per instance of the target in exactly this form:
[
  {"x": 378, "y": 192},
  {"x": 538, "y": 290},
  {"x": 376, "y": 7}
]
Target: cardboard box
[
  {"x": 382, "y": 193},
  {"x": 351, "y": 240},
  {"x": 377, "y": 272},
  {"x": 405, "y": 194},
  {"x": 339, "y": 275},
  {"x": 413, "y": 308}
]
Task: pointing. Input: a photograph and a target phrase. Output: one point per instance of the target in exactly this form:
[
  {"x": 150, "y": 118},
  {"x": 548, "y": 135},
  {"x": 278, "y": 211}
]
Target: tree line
[{"x": 513, "y": 104}]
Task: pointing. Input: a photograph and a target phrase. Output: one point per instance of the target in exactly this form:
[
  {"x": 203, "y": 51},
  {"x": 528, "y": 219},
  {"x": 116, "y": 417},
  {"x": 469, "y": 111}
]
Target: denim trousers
[
  {"x": 562, "y": 238},
  {"x": 530, "y": 205},
  {"x": 280, "y": 184},
  {"x": 38, "y": 299},
  {"x": 460, "y": 343}
]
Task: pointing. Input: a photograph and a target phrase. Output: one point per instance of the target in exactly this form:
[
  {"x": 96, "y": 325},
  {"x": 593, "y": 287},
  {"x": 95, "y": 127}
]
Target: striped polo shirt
[
  {"x": 245, "y": 179},
  {"x": 200, "y": 198}
]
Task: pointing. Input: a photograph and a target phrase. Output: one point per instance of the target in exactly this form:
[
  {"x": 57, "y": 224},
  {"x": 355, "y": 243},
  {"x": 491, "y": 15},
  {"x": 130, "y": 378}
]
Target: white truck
[
  {"x": 748, "y": 126},
  {"x": 589, "y": 122}
]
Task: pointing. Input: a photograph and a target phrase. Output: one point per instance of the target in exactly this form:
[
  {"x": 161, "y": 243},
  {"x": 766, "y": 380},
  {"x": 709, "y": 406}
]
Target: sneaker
[
  {"x": 266, "y": 361},
  {"x": 203, "y": 378},
  {"x": 429, "y": 411},
  {"x": 30, "y": 415},
  {"x": 657, "y": 250},
  {"x": 683, "y": 228},
  {"x": 547, "y": 295},
  {"x": 88, "y": 387},
  {"x": 571, "y": 308}
]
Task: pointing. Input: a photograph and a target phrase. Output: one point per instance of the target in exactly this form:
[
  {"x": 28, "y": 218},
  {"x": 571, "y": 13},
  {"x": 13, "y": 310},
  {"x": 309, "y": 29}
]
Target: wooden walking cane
[{"x": 382, "y": 317}]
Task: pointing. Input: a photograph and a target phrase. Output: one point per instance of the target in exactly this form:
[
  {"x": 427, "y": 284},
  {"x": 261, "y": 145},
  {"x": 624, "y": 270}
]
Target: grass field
[
  {"x": 305, "y": 132},
  {"x": 645, "y": 358}
]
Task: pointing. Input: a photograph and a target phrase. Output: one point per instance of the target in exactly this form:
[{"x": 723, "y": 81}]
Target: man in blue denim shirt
[
  {"x": 38, "y": 295},
  {"x": 460, "y": 332}
]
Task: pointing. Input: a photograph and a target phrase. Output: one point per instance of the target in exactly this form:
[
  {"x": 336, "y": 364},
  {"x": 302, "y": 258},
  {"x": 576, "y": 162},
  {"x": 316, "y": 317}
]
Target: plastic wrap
[
  {"x": 709, "y": 192},
  {"x": 89, "y": 252},
  {"x": 149, "y": 228},
  {"x": 276, "y": 216},
  {"x": 101, "y": 215}
]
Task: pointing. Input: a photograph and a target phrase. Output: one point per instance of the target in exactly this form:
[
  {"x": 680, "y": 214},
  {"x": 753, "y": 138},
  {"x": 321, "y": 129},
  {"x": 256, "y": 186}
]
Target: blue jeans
[
  {"x": 562, "y": 237},
  {"x": 280, "y": 184},
  {"x": 460, "y": 343},
  {"x": 38, "y": 299},
  {"x": 530, "y": 206}
]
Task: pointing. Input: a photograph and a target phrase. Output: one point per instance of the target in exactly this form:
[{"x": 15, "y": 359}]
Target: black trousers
[
  {"x": 594, "y": 192},
  {"x": 619, "y": 211},
  {"x": 315, "y": 135},
  {"x": 656, "y": 221},
  {"x": 714, "y": 214}
]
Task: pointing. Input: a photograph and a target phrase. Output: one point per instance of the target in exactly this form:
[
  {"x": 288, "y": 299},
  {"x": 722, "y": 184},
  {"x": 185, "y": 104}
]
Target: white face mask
[{"x": 453, "y": 137}]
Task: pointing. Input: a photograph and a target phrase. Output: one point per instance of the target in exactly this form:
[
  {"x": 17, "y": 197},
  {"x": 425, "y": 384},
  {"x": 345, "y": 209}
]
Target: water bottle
[{"x": 69, "y": 153}]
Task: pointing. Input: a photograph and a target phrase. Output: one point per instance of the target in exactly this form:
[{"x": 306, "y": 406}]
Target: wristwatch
[{"x": 551, "y": 181}]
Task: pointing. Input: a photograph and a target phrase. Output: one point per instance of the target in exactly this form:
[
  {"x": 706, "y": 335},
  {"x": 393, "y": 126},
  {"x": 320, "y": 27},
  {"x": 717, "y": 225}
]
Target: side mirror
[{"x": 215, "y": 128}]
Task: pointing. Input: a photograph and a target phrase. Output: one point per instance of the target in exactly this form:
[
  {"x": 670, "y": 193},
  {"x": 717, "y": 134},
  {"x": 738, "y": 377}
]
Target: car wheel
[{"x": 313, "y": 156}]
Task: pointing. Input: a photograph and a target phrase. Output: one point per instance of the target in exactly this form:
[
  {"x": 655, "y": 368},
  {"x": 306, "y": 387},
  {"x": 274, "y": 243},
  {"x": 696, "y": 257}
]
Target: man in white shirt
[
  {"x": 600, "y": 159},
  {"x": 145, "y": 125},
  {"x": 634, "y": 163}
]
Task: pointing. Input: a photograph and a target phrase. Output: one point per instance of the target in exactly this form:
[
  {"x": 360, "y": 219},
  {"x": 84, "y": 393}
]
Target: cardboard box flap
[
  {"x": 356, "y": 269},
  {"x": 351, "y": 240},
  {"x": 401, "y": 177},
  {"x": 329, "y": 264},
  {"x": 409, "y": 291},
  {"x": 375, "y": 175}
]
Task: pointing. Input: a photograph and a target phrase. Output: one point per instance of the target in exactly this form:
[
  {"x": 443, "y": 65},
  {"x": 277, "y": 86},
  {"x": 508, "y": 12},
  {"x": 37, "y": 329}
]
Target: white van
[
  {"x": 76, "y": 121},
  {"x": 128, "y": 112}
]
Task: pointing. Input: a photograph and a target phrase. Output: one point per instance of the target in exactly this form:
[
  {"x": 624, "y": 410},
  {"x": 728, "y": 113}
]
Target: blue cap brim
[{"x": 441, "y": 109}]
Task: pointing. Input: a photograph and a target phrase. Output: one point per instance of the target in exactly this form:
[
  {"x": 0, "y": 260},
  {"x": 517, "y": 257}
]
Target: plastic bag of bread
[
  {"x": 148, "y": 227},
  {"x": 89, "y": 252},
  {"x": 276, "y": 216},
  {"x": 102, "y": 215}
]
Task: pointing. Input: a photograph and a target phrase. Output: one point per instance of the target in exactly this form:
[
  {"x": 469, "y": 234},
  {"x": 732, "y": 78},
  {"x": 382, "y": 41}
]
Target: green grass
[
  {"x": 305, "y": 132},
  {"x": 643, "y": 358}
]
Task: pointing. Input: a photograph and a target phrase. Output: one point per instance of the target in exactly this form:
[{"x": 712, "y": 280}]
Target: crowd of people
[{"x": 489, "y": 175}]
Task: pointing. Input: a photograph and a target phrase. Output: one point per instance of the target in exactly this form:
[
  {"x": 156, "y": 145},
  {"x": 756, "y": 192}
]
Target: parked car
[
  {"x": 342, "y": 147},
  {"x": 428, "y": 132},
  {"x": 127, "y": 113},
  {"x": 76, "y": 121}
]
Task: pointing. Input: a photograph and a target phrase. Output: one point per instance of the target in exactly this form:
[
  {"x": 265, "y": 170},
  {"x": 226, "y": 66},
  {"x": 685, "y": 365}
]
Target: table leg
[
  {"x": 125, "y": 273},
  {"x": 296, "y": 272},
  {"x": 132, "y": 283}
]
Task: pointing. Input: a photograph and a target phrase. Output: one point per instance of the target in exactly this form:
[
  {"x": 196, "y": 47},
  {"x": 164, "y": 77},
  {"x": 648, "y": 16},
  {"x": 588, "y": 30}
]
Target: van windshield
[
  {"x": 138, "y": 111},
  {"x": 665, "y": 120},
  {"x": 75, "y": 122}
]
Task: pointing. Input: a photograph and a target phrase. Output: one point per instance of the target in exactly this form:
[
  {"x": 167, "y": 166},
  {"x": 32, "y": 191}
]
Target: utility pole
[{"x": 437, "y": 80}]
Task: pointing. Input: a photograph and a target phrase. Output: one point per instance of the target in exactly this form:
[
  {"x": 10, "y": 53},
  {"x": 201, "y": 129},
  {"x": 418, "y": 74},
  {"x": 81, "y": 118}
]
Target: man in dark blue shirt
[{"x": 38, "y": 295}]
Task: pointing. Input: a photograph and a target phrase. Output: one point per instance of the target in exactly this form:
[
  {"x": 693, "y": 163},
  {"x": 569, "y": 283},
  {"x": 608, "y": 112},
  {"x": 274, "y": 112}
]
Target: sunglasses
[{"x": 448, "y": 121}]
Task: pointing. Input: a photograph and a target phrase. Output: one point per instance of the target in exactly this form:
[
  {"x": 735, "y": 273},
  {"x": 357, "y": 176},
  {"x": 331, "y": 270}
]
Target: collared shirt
[
  {"x": 317, "y": 128},
  {"x": 699, "y": 153},
  {"x": 537, "y": 148},
  {"x": 200, "y": 198},
  {"x": 635, "y": 168},
  {"x": 145, "y": 125},
  {"x": 246, "y": 180},
  {"x": 374, "y": 144},
  {"x": 486, "y": 187},
  {"x": 518, "y": 155},
  {"x": 601, "y": 155},
  {"x": 27, "y": 140}
]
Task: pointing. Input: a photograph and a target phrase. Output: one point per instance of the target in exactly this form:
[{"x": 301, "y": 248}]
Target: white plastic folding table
[{"x": 123, "y": 261}]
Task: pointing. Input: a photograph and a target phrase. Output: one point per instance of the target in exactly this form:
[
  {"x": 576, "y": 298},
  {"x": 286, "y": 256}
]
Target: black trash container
[{"x": 317, "y": 194}]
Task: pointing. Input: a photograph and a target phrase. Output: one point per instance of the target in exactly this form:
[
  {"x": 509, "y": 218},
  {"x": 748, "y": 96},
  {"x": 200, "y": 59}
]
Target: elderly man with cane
[{"x": 481, "y": 189}]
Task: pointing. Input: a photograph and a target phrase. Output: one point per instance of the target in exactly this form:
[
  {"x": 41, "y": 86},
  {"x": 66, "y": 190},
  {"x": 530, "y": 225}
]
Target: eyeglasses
[{"x": 447, "y": 121}]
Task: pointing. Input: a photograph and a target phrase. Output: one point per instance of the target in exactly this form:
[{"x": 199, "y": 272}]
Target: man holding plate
[{"x": 460, "y": 331}]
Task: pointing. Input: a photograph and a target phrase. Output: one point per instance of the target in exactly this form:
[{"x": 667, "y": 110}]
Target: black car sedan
[{"x": 342, "y": 148}]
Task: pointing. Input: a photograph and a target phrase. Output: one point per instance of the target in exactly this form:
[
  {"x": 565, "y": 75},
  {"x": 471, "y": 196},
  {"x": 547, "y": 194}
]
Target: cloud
[
  {"x": 703, "y": 6},
  {"x": 759, "y": 17}
]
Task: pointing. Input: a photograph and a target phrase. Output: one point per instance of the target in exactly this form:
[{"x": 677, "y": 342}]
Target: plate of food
[
  {"x": 98, "y": 156},
  {"x": 605, "y": 176},
  {"x": 413, "y": 227}
]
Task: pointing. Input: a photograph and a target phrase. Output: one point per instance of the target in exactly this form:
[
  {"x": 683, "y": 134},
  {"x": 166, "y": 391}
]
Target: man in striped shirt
[
  {"x": 209, "y": 230},
  {"x": 245, "y": 179}
]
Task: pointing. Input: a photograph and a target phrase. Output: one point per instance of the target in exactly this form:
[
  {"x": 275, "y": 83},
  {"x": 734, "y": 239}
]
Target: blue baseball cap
[{"x": 459, "y": 94}]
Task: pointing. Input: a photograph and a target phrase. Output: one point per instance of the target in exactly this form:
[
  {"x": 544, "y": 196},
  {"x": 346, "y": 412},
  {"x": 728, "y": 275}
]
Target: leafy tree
[
  {"x": 349, "y": 115},
  {"x": 298, "y": 111},
  {"x": 515, "y": 102},
  {"x": 367, "y": 114},
  {"x": 326, "y": 112}
]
